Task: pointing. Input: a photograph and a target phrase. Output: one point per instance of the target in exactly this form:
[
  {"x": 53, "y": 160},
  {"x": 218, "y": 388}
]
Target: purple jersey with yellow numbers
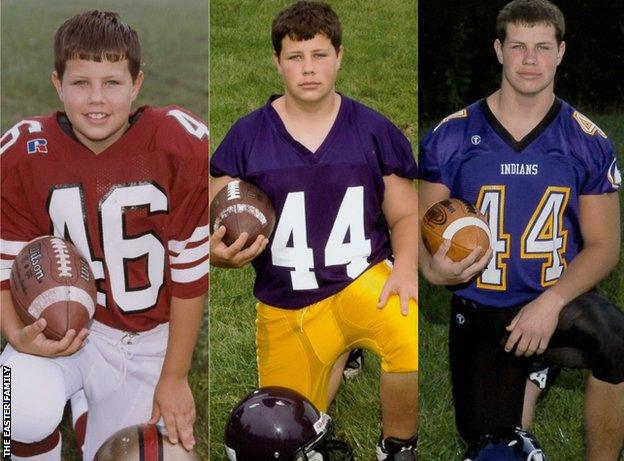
[
  {"x": 529, "y": 190},
  {"x": 329, "y": 223}
]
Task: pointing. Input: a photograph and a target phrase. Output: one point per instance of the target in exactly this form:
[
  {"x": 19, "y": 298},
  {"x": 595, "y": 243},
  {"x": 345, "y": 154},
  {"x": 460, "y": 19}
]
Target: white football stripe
[
  {"x": 58, "y": 295},
  {"x": 191, "y": 274},
  {"x": 5, "y": 274},
  {"x": 240, "y": 208},
  {"x": 200, "y": 233},
  {"x": 11, "y": 247},
  {"x": 189, "y": 255},
  {"x": 455, "y": 226}
]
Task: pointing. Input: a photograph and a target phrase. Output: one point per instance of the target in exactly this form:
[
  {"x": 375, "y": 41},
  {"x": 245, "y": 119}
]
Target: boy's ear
[
  {"x": 136, "y": 85},
  {"x": 56, "y": 81},
  {"x": 340, "y": 55},
  {"x": 276, "y": 61},
  {"x": 498, "y": 49}
]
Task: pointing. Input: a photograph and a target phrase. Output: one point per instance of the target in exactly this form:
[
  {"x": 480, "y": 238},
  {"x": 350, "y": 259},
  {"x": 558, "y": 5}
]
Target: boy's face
[
  {"x": 97, "y": 97},
  {"x": 530, "y": 57},
  {"x": 309, "y": 67}
]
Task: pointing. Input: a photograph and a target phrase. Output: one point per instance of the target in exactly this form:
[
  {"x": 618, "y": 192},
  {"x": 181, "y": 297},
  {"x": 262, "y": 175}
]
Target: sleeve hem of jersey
[{"x": 184, "y": 292}]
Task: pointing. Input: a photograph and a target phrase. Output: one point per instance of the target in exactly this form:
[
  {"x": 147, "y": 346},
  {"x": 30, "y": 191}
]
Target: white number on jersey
[
  {"x": 491, "y": 203},
  {"x": 192, "y": 126},
  {"x": 543, "y": 238},
  {"x": 349, "y": 221},
  {"x": 66, "y": 210},
  {"x": 68, "y": 216},
  {"x": 12, "y": 135},
  {"x": 298, "y": 256}
]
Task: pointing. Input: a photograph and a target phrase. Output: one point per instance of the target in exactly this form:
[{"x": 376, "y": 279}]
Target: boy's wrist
[{"x": 172, "y": 373}]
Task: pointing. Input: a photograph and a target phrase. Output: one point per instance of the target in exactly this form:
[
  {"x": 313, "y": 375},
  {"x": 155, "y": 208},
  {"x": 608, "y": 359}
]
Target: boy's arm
[
  {"x": 599, "y": 218},
  {"x": 173, "y": 399},
  {"x": 400, "y": 208},
  {"x": 232, "y": 256},
  {"x": 437, "y": 268},
  {"x": 30, "y": 339}
]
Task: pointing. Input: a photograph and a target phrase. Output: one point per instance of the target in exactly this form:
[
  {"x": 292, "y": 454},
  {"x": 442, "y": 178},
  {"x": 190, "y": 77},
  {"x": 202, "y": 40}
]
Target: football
[
  {"x": 51, "y": 280},
  {"x": 242, "y": 207},
  {"x": 458, "y": 221},
  {"x": 143, "y": 442}
]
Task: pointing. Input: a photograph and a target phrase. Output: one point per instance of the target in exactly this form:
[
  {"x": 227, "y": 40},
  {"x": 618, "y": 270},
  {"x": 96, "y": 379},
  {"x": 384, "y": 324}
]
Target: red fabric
[
  {"x": 80, "y": 428},
  {"x": 25, "y": 450},
  {"x": 159, "y": 152}
]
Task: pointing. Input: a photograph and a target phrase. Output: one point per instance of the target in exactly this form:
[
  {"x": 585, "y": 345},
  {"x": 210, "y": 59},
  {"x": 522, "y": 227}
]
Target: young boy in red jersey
[{"x": 129, "y": 189}]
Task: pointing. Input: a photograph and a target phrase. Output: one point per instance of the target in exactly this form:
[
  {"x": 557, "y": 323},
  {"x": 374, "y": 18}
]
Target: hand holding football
[
  {"x": 458, "y": 221},
  {"x": 51, "y": 280},
  {"x": 242, "y": 207}
]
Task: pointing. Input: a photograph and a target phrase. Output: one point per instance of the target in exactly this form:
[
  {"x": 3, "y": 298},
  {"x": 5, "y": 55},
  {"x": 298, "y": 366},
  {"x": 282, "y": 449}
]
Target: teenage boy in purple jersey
[
  {"x": 340, "y": 176},
  {"x": 546, "y": 178}
]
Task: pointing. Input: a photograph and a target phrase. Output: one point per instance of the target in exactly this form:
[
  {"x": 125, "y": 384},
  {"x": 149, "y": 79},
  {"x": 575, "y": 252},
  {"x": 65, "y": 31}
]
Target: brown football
[
  {"x": 242, "y": 207},
  {"x": 143, "y": 442},
  {"x": 458, "y": 221},
  {"x": 51, "y": 280}
]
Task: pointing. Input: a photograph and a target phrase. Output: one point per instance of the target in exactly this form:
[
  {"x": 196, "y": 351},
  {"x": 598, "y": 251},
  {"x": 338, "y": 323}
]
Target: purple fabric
[
  {"x": 466, "y": 153},
  {"x": 359, "y": 150}
]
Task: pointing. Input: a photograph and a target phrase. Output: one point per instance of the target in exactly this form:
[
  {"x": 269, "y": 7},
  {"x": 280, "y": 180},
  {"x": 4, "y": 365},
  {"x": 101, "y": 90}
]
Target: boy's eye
[
  {"x": 112, "y": 82},
  {"x": 294, "y": 57},
  {"x": 80, "y": 82}
]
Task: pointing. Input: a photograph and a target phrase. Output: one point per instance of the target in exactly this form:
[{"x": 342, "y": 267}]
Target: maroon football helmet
[{"x": 279, "y": 424}]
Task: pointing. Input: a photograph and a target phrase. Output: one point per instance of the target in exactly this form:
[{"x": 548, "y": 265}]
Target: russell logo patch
[{"x": 39, "y": 145}]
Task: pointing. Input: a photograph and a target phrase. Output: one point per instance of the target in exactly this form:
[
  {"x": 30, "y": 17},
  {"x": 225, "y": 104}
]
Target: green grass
[
  {"x": 379, "y": 68},
  {"x": 174, "y": 39},
  {"x": 558, "y": 422}
]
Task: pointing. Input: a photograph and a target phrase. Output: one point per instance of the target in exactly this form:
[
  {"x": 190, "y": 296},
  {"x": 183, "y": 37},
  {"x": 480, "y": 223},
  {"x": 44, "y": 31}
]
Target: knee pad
[
  {"x": 596, "y": 326},
  {"x": 37, "y": 397}
]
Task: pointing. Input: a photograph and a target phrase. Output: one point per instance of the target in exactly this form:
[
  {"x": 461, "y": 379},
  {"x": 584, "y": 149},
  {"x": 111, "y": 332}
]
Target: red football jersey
[{"x": 138, "y": 211}]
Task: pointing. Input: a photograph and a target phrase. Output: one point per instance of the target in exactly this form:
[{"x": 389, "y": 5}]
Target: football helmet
[
  {"x": 506, "y": 444},
  {"x": 143, "y": 442},
  {"x": 279, "y": 424}
]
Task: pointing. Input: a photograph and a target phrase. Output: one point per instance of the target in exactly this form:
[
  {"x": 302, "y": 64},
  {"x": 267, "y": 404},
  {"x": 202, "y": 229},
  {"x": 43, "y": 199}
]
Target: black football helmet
[
  {"x": 506, "y": 444},
  {"x": 279, "y": 424}
]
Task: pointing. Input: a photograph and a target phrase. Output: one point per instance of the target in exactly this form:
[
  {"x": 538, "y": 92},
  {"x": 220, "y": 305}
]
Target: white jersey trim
[
  {"x": 11, "y": 247},
  {"x": 189, "y": 255},
  {"x": 199, "y": 234},
  {"x": 191, "y": 274}
]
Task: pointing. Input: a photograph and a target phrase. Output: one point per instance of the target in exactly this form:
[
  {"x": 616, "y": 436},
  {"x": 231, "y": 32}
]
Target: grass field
[
  {"x": 558, "y": 424},
  {"x": 174, "y": 39},
  {"x": 379, "y": 68}
]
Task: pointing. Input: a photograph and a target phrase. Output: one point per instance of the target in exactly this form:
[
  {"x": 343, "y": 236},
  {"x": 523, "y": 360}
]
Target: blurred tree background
[{"x": 457, "y": 64}]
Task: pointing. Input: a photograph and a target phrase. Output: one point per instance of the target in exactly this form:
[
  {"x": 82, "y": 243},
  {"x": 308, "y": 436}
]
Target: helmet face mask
[{"x": 279, "y": 424}]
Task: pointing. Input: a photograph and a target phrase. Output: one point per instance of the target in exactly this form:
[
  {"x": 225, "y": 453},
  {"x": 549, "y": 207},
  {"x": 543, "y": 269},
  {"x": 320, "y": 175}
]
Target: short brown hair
[
  {"x": 97, "y": 36},
  {"x": 530, "y": 12},
  {"x": 303, "y": 20}
]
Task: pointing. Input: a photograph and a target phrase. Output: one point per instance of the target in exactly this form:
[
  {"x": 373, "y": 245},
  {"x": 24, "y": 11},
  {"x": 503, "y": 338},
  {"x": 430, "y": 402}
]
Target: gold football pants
[{"x": 297, "y": 348}]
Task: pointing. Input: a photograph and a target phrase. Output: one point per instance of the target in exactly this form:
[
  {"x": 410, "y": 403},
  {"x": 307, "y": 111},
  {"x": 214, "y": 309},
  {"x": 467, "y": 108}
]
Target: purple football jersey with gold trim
[
  {"x": 529, "y": 190},
  {"x": 329, "y": 223}
]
